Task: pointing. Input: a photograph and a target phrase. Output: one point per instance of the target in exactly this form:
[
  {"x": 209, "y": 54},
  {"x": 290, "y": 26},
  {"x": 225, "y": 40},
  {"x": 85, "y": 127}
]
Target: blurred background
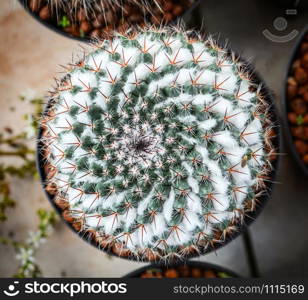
[{"x": 30, "y": 55}]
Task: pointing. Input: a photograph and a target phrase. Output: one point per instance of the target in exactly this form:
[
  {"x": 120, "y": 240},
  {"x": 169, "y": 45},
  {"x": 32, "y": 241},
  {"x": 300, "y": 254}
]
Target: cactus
[{"x": 157, "y": 143}]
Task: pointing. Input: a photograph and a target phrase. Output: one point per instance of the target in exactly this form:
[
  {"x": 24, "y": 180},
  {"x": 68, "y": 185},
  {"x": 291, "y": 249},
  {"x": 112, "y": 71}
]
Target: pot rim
[
  {"x": 285, "y": 105},
  {"x": 191, "y": 263},
  {"x": 249, "y": 218},
  {"x": 88, "y": 39}
]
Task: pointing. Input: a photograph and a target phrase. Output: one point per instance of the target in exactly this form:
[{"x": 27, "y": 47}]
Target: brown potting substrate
[
  {"x": 104, "y": 20},
  {"x": 297, "y": 93}
]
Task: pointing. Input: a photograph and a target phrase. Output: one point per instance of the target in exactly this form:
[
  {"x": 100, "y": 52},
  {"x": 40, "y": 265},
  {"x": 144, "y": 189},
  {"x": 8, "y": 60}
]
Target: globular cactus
[{"x": 157, "y": 144}]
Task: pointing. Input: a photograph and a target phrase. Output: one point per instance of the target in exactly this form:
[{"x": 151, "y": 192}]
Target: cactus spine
[
  {"x": 90, "y": 7},
  {"x": 157, "y": 143}
]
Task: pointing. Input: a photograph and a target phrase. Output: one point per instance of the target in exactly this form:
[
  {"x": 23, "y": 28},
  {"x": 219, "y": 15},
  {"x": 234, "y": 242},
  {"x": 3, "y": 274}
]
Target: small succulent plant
[{"x": 157, "y": 144}]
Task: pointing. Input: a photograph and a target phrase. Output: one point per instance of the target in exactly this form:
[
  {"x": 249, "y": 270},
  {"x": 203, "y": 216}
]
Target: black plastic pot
[
  {"x": 87, "y": 39},
  {"x": 285, "y": 104},
  {"x": 193, "y": 264},
  {"x": 249, "y": 216}
]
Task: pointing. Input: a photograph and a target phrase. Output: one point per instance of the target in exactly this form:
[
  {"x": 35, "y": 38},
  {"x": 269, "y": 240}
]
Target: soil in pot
[
  {"x": 297, "y": 100},
  {"x": 183, "y": 272},
  {"x": 189, "y": 270},
  {"x": 101, "y": 20}
]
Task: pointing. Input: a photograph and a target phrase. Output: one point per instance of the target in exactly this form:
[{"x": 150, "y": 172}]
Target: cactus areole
[{"x": 156, "y": 144}]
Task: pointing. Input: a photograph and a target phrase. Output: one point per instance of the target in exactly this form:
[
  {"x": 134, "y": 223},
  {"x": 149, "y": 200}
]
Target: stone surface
[{"x": 30, "y": 55}]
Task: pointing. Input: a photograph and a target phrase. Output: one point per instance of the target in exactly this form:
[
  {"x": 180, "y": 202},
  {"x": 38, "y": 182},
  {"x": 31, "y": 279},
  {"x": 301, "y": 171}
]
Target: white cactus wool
[{"x": 158, "y": 144}]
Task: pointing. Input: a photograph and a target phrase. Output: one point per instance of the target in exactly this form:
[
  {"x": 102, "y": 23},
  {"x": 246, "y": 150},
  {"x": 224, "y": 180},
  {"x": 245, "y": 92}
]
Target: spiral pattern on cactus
[{"x": 158, "y": 143}]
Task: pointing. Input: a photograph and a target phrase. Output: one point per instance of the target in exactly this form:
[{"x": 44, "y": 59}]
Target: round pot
[
  {"x": 249, "y": 216},
  {"x": 56, "y": 29},
  {"x": 190, "y": 264},
  {"x": 285, "y": 104}
]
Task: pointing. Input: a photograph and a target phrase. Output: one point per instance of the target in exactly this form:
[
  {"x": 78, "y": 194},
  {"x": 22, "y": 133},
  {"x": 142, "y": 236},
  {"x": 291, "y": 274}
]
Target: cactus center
[{"x": 139, "y": 144}]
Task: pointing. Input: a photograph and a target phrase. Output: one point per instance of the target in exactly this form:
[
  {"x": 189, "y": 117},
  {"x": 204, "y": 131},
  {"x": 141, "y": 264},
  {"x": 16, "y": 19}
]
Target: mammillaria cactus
[{"x": 157, "y": 144}]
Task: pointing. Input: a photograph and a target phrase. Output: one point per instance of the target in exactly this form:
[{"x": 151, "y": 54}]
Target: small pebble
[
  {"x": 300, "y": 75},
  {"x": 85, "y": 26},
  {"x": 45, "y": 13}
]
